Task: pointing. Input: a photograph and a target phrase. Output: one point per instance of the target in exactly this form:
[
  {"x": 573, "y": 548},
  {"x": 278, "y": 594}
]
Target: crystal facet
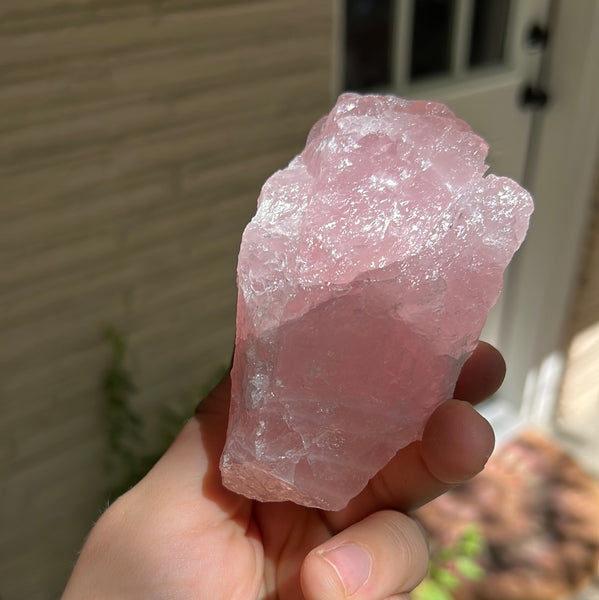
[{"x": 364, "y": 279}]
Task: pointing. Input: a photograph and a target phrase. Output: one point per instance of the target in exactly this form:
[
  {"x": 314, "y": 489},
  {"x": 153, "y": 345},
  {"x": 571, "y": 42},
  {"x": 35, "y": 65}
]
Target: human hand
[{"x": 179, "y": 534}]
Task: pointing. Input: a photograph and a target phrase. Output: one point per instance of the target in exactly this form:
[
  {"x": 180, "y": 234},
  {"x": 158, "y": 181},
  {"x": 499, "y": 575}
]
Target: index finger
[{"x": 481, "y": 375}]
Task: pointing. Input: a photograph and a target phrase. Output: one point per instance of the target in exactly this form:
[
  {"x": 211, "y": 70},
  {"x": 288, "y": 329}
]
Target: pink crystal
[{"x": 364, "y": 280}]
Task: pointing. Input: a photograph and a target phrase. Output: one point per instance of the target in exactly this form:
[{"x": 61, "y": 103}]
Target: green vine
[
  {"x": 130, "y": 455},
  {"x": 451, "y": 564}
]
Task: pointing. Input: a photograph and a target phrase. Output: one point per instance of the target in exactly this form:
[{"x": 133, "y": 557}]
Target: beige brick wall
[{"x": 134, "y": 137}]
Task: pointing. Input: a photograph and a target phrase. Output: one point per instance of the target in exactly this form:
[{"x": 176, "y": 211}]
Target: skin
[{"x": 179, "y": 534}]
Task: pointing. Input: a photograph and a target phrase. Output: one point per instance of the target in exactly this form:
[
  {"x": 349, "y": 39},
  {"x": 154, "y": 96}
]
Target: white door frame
[{"x": 565, "y": 151}]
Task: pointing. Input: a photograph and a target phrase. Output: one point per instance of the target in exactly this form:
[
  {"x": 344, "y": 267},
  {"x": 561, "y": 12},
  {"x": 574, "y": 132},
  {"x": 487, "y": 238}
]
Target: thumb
[{"x": 384, "y": 555}]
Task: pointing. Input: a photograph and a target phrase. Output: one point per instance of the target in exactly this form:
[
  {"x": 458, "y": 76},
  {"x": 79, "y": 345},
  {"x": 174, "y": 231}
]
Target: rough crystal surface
[{"x": 364, "y": 281}]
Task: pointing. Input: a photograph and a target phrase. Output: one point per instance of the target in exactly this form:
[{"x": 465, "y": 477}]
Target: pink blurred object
[{"x": 364, "y": 278}]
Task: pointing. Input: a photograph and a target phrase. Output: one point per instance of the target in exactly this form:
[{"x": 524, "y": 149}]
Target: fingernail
[{"x": 353, "y": 565}]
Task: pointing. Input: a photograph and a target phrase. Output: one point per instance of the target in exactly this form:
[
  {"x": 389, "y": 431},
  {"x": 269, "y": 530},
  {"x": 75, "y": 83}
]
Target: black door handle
[
  {"x": 536, "y": 37},
  {"x": 533, "y": 97}
]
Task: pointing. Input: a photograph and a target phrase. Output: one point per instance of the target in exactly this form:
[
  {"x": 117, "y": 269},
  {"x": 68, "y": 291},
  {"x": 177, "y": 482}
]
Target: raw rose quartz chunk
[{"x": 364, "y": 280}]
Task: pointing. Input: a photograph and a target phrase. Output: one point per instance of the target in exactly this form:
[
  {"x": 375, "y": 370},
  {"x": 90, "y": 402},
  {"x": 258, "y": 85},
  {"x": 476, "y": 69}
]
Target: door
[{"x": 477, "y": 56}]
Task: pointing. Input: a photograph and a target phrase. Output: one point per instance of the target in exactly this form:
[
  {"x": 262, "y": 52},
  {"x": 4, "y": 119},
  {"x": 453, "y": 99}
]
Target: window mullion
[
  {"x": 403, "y": 17},
  {"x": 461, "y": 36}
]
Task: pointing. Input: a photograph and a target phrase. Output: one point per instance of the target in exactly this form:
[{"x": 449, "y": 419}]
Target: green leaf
[
  {"x": 445, "y": 555},
  {"x": 430, "y": 590},
  {"x": 472, "y": 541},
  {"x": 446, "y": 578},
  {"x": 469, "y": 568}
]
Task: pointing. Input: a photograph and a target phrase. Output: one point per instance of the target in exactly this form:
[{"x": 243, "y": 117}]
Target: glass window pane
[
  {"x": 489, "y": 27},
  {"x": 368, "y": 40},
  {"x": 431, "y": 37}
]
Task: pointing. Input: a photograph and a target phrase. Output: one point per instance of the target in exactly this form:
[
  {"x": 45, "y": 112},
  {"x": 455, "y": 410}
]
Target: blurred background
[{"x": 134, "y": 138}]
